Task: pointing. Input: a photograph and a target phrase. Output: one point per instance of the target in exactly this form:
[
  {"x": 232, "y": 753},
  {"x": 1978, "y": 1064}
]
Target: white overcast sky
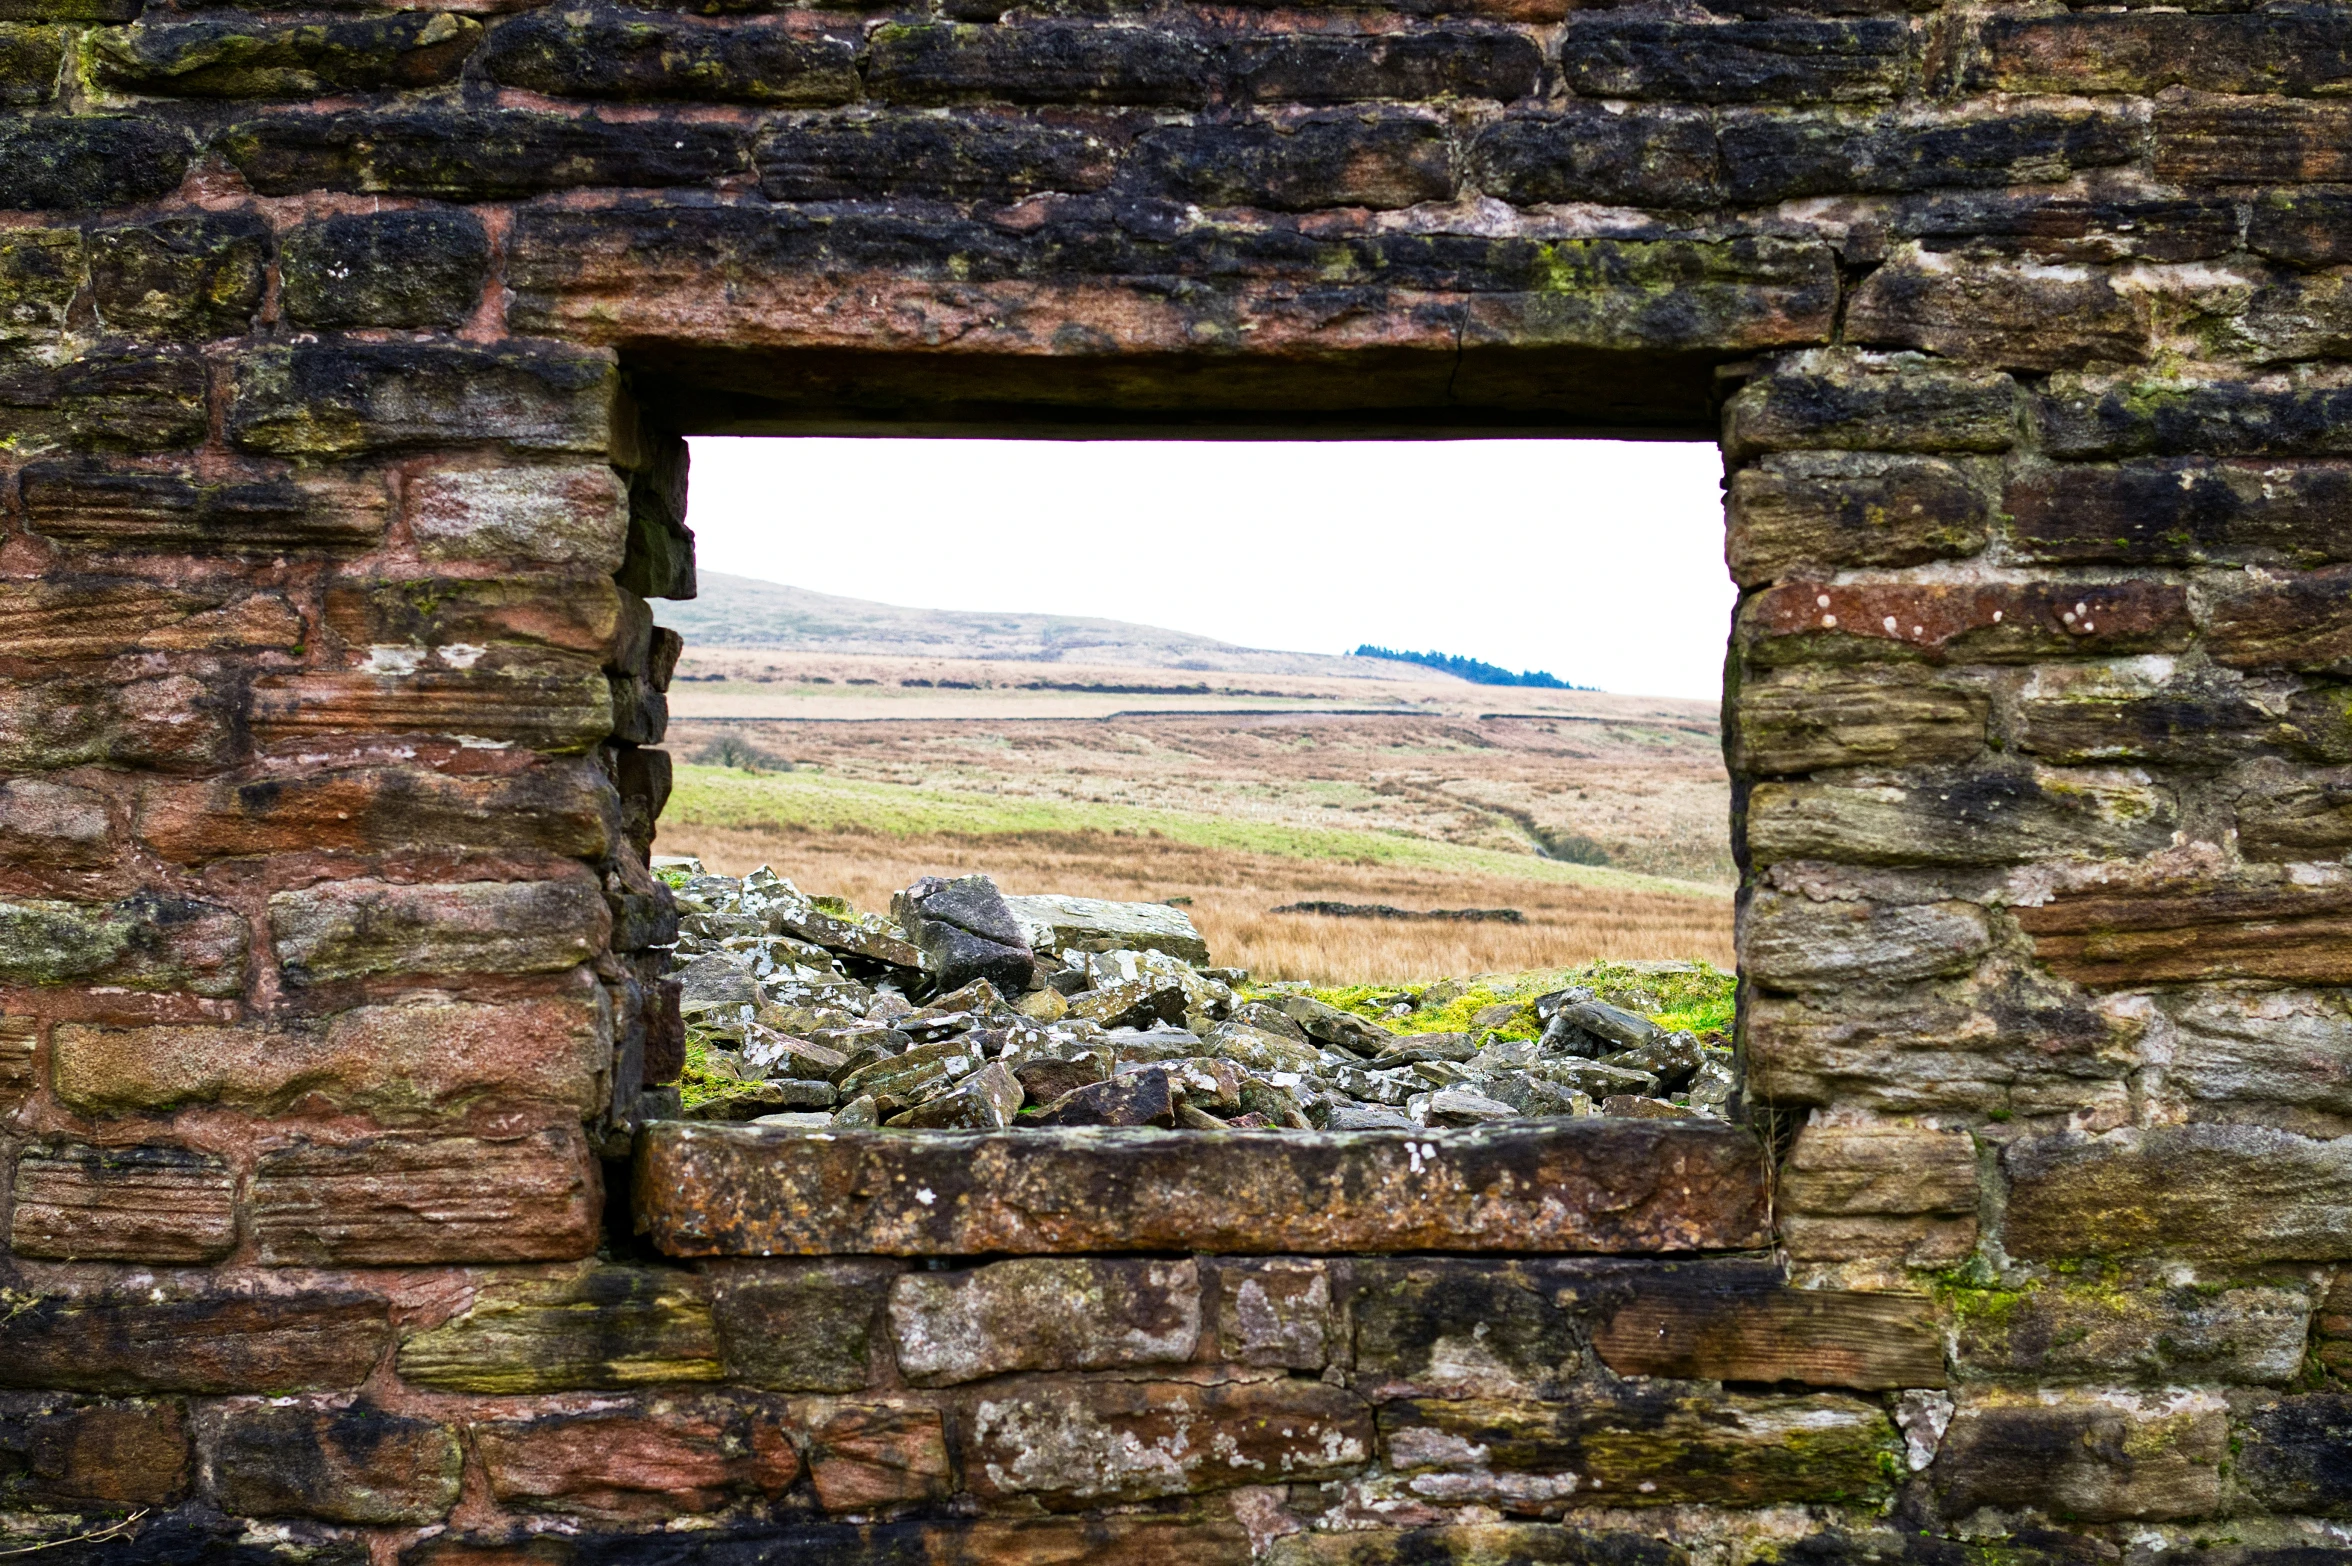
[{"x": 1601, "y": 561}]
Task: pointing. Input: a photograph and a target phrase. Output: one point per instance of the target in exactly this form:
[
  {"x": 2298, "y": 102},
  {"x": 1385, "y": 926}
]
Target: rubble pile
[{"x": 969, "y": 1009}]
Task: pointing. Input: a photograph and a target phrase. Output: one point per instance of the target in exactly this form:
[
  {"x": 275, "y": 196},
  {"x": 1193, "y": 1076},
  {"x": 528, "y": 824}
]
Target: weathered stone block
[
  {"x": 1809, "y": 720},
  {"x": 865, "y": 1457},
  {"x": 147, "y": 1203},
  {"x": 353, "y": 929},
  {"x": 602, "y": 1327},
  {"x": 103, "y": 505},
  {"x": 574, "y": 516},
  {"x": 2107, "y": 417},
  {"x": 1564, "y": 1185},
  {"x": 1473, "y": 1544},
  {"x": 1784, "y": 157},
  {"x": 40, "y": 273},
  {"x": 1842, "y": 401},
  {"x": 1452, "y": 1328},
  {"x": 801, "y": 1326},
  {"x": 1740, "y": 1321},
  {"x": 1282, "y": 1312},
  {"x": 1783, "y": 59},
  {"x": 2144, "y": 52},
  {"x": 2291, "y": 1455},
  {"x": 355, "y": 1464},
  {"x": 71, "y": 1455},
  {"x": 2016, "y": 315},
  {"x": 1833, "y": 511},
  {"x": 488, "y": 617},
  {"x": 197, "y": 277},
  {"x": 127, "y": 399},
  {"x": 2268, "y": 1052},
  {"x": 1855, "y": 1193},
  {"x": 2134, "y": 1329},
  {"x": 1963, "y": 818},
  {"x": 54, "y": 826},
  {"x": 29, "y": 62},
  {"x": 18, "y": 1038},
  {"x": 415, "y": 1058},
  {"x": 1790, "y": 942},
  {"x": 1076, "y": 1443},
  {"x": 2181, "y": 510},
  {"x": 412, "y": 268},
  {"x": 938, "y": 62},
  {"x": 555, "y": 704},
  {"x": 1456, "y": 62},
  {"x": 188, "y": 1332},
  {"x": 2208, "y": 1193},
  {"x": 2195, "y": 930},
  {"x": 327, "y": 400},
  {"x": 597, "y": 53},
  {"x": 981, "y": 158},
  {"x": 2091, "y": 1457},
  {"x": 1642, "y": 1445},
  {"x": 651, "y": 1459},
  {"x": 2301, "y": 621},
  {"x": 469, "y": 155},
  {"x": 1644, "y": 157},
  {"x": 172, "y": 724},
  {"x": 2300, "y": 227},
  {"x": 239, "y": 58},
  {"x": 399, "y": 1200},
  {"x": 1043, "y": 1313},
  {"x": 1364, "y": 159},
  {"x": 142, "y": 943},
  {"x": 2294, "y": 815},
  {"x": 103, "y": 617},
  {"x": 84, "y": 162},
  {"x": 561, "y": 807},
  {"x": 2154, "y": 709}
]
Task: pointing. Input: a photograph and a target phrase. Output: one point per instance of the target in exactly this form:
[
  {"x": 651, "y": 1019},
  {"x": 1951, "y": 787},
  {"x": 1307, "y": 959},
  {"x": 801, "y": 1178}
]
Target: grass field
[{"x": 860, "y": 838}]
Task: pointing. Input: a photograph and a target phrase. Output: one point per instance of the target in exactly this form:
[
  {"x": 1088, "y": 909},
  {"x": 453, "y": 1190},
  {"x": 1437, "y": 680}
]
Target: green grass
[
  {"x": 809, "y": 801},
  {"x": 1697, "y": 1001}
]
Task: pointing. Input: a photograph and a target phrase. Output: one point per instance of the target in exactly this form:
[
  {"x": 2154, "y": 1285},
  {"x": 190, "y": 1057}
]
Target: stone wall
[{"x": 344, "y": 359}]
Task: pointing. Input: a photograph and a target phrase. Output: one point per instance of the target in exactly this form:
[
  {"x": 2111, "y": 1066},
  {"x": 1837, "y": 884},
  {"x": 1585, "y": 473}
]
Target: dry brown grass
[{"x": 1566, "y": 925}]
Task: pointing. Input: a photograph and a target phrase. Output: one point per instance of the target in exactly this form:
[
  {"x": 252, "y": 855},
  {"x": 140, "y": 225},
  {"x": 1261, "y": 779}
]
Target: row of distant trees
[{"x": 1471, "y": 669}]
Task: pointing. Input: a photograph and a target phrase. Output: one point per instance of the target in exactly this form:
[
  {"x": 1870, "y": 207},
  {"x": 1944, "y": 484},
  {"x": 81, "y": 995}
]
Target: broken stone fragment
[
  {"x": 984, "y": 1101},
  {"x": 1131, "y": 1003},
  {"x": 1456, "y": 1107},
  {"x": 964, "y": 931},
  {"x": 1140, "y": 1098},
  {"x": 1330, "y": 1025},
  {"x": 1090, "y": 924}
]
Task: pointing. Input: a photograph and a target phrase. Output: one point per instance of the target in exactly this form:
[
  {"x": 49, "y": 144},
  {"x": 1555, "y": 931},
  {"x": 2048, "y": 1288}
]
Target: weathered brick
[
  {"x": 1457, "y": 62},
  {"x": 1809, "y": 720},
  {"x": 76, "y": 1202},
  {"x": 1086, "y": 1441},
  {"x": 1644, "y": 157},
  {"x": 177, "y": 723},
  {"x": 556, "y": 705},
  {"x": 2191, "y": 930},
  {"x": 1282, "y": 1312},
  {"x": 2036, "y": 225},
  {"x": 942, "y": 62},
  {"x": 1999, "y": 622},
  {"x": 2301, "y": 227},
  {"x": 142, "y": 943},
  {"x": 2108, "y": 417},
  {"x": 106, "y": 505},
  {"x": 474, "y": 155},
  {"x": 1963, "y": 818},
  {"x": 418, "y": 267},
  {"x": 2152, "y": 710},
  {"x": 1853, "y": 1193},
  {"x": 101, "y": 617},
  {"x": 84, "y": 162},
  {"x": 355, "y": 1463},
  {"x": 1641, "y": 1185},
  {"x": 353, "y": 929},
  {"x": 40, "y": 273},
  {"x": 2144, "y": 52},
  {"x": 54, "y": 826},
  {"x": 127, "y": 399},
  {"x": 240, "y": 58},
  {"x": 2206, "y": 1193},
  {"x": 2016, "y": 315},
  {"x": 1043, "y": 1313},
  {"x": 1794, "y": 943},
  {"x": 403, "y": 1199},
  {"x": 575, "y": 515},
  {"x": 1647, "y": 1443},
  {"x": 1323, "y": 160},
  {"x": 865, "y": 1457},
  {"x": 2110, "y": 1457},
  {"x": 650, "y": 1459},
  {"x": 1449, "y": 1328},
  {"x": 2135, "y": 1329},
  {"x": 2181, "y": 510},
  {"x": 70, "y": 1454},
  {"x": 1740, "y": 1321},
  {"x": 558, "y": 807},
  {"x": 600, "y": 1327},
  {"x": 1831, "y": 511},
  {"x": 981, "y": 157},
  {"x": 597, "y": 53},
  {"x": 1783, "y": 157},
  {"x": 199, "y": 277},
  {"x": 801, "y": 1326},
  {"x": 1782, "y": 59},
  {"x": 414, "y": 1058},
  {"x": 2290, "y": 1454},
  {"x": 1870, "y": 402},
  {"x": 29, "y": 62},
  {"x": 2259, "y": 620},
  {"x": 2248, "y": 141},
  {"x": 328, "y": 400},
  {"x": 189, "y": 1332},
  {"x": 374, "y": 616}
]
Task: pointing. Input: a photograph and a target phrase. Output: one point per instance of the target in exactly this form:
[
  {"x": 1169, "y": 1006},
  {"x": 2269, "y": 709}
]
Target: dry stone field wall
[{"x": 344, "y": 359}]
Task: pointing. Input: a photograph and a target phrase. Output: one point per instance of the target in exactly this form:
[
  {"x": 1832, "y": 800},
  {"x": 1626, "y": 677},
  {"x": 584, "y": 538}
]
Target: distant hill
[{"x": 742, "y": 611}]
